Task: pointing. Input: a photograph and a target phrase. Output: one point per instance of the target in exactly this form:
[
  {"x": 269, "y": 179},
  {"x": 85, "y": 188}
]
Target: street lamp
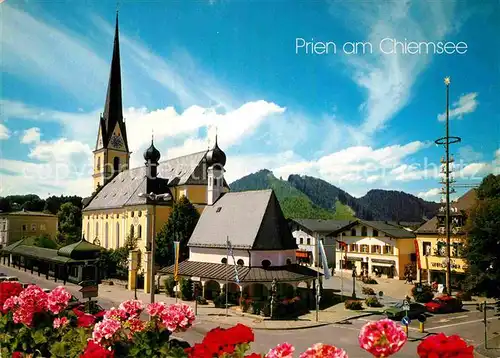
[
  {"x": 354, "y": 282},
  {"x": 154, "y": 198}
]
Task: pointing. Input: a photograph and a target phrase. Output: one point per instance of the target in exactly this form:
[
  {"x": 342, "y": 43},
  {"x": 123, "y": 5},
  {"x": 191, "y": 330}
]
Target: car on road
[
  {"x": 8, "y": 278},
  {"x": 444, "y": 304},
  {"x": 396, "y": 312}
]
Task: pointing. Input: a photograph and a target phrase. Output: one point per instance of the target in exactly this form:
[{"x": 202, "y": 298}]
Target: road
[{"x": 467, "y": 324}]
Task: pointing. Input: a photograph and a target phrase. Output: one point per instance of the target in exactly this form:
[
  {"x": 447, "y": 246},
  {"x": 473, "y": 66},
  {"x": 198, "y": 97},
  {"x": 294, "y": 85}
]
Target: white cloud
[
  {"x": 36, "y": 50},
  {"x": 430, "y": 194},
  {"x": 467, "y": 103},
  {"x": 4, "y": 132},
  {"x": 31, "y": 135},
  {"x": 389, "y": 78},
  {"x": 468, "y": 154}
]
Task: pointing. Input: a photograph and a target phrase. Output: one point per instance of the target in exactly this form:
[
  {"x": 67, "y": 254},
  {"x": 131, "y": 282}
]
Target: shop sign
[{"x": 442, "y": 265}]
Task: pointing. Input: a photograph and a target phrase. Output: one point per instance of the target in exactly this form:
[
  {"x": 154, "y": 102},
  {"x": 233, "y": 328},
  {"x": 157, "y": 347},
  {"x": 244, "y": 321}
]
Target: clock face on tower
[{"x": 116, "y": 141}]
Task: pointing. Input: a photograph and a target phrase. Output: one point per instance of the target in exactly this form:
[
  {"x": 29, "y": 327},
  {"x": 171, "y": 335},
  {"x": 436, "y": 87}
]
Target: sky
[{"x": 349, "y": 92}]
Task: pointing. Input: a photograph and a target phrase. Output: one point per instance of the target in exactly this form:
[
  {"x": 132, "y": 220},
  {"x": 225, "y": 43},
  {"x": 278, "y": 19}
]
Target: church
[{"x": 125, "y": 204}]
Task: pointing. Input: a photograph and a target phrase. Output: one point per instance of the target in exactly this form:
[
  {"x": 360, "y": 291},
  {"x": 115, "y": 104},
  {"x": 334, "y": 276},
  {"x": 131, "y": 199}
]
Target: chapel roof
[{"x": 251, "y": 220}]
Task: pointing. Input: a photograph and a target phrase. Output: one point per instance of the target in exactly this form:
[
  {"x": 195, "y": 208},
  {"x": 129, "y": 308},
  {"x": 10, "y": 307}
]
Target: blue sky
[{"x": 360, "y": 121}]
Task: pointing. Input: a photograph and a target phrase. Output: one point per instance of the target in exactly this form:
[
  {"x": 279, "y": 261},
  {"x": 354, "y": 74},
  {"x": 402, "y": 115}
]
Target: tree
[
  {"x": 483, "y": 240},
  {"x": 45, "y": 241},
  {"x": 70, "y": 223},
  {"x": 180, "y": 226}
]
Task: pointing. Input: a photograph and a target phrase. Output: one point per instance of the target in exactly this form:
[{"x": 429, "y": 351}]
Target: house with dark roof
[
  {"x": 431, "y": 238},
  {"x": 306, "y": 233},
  {"x": 17, "y": 225},
  {"x": 243, "y": 239},
  {"x": 374, "y": 248}
]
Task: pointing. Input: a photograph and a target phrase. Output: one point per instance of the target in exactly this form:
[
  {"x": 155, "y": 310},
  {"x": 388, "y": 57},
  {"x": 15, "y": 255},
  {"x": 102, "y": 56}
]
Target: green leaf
[{"x": 38, "y": 337}]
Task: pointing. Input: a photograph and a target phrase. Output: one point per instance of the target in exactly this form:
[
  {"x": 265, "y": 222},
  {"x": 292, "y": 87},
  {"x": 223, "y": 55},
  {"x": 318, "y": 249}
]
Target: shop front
[{"x": 383, "y": 268}]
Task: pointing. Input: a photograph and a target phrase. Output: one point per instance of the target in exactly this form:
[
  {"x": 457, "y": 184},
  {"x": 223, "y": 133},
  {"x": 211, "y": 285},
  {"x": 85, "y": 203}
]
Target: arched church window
[
  {"x": 353, "y": 232},
  {"x": 364, "y": 232},
  {"x": 265, "y": 263},
  {"x": 132, "y": 231},
  {"x": 88, "y": 230},
  {"x": 98, "y": 163},
  {"x": 106, "y": 235},
  {"x": 240, "y": 262},
  {"x": 117, "y": 235},
  {"x": 116, "y": 164},
  {"x": 139, "y": 231},
  {"x": 96, "y": 234}
]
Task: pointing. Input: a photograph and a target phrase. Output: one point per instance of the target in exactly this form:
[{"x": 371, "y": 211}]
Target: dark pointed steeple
[{"x": 113, "y": 108}]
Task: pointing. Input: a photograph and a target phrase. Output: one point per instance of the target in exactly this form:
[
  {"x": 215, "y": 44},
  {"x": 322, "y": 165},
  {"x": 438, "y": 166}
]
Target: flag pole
[{"x": 227, "y": 273}]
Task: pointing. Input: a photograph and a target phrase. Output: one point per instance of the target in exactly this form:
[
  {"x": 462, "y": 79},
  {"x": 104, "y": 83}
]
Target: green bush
[
  {"x": 373, "y": 302},
  {"x": 220, "y": 301},
  {"x": 369, "y": 281},
  {"x": 353, "y": 305},
  {"x": 367, "y": 291},
  {"x": 464, "y": 296},
  {"x": 186, "y": 289},
  {"x": 169, "y": 286},
  {"x": 423, "y": 297},
  {"x": 201, "y": 300}
]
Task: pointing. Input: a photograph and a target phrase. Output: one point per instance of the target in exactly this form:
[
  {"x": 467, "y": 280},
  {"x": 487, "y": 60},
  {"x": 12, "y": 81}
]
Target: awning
[
  {"x": 382, "y": 261},
  {"x": 221, "y": 272},
  {"x": 354, "y": 258}
]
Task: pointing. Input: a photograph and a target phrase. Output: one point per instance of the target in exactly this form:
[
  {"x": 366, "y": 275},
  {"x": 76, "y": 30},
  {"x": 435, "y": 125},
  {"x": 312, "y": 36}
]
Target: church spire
[{"x": 113, "y": 108}]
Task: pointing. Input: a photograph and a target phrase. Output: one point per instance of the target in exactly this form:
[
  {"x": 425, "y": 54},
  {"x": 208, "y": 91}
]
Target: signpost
[
  {"x": 89, "y": 291},
  {"x": 406, "y": 320}
]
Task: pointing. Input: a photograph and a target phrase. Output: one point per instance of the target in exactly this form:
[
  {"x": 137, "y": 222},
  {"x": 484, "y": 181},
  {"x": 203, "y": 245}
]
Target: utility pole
[{"x": 446, "y": 141}]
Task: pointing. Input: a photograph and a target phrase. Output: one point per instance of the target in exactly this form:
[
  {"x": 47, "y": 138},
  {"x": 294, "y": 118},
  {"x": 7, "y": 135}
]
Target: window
[
  {"x": 25, "y": 228},
  {"x": 288, "y": 261},
  {"x": 426, "y": 248},
  {"x": 117, "y": 235},
  {"x": 375, "y": 232},
  {"x": 33, "y": 227},
  {"x": 308, "y": 241},
  {"x": 301, "y": 240},
  {"x": 216, "y": 181},
  {"x": 139, "y": 231},
  {"x": 376, "y": 249},
  {"x": 388, "y": 250},
  {"x": 266, "y": 263},
  {"x": 132, "y": 214},
  {"x": 131, "y": 230},
  {"x": 116, "y": 164},
  {"x": 96, "y": 234},
  {"x": 364, "y": 232},
  {"x": 364, "y": 248},
  {"x": 106, "y": 235},
  {"x": 224, "y": 260},
  {"x": 88, "y": 229},
  {"x": 98, "y": 166},
  {"x": 457, "y": 248},
  {"x": 353, "y": 232},
  {"x": 441, "y": 249},
  {"x": 139, "y": 213},
  {"x": 240, "y": 262},
  {"x": 353, "y": 248}
]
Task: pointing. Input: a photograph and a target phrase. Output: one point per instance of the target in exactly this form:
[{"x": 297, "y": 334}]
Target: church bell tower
[{"x": 111, "y": 154}]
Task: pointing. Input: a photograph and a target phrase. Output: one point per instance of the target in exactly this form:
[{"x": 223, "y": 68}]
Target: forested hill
[{"x": 309, "y": 197}]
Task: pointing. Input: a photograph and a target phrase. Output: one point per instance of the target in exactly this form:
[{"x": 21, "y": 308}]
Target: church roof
[
  {"x": 124, "y": 189},
  {"x": 249, "y": 219},
  {"x": 319, "y": 225}
]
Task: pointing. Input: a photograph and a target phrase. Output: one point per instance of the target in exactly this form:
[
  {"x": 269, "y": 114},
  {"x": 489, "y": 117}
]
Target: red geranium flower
[
  {"x": 8, "y": 289},
  {"x": 85, "y": 320},
  {"x": 254, "y": 355},
  {"x": 94, "y": 350},
  {"x": 443, "y": 346},
  {"x": 17, "y": 355}
]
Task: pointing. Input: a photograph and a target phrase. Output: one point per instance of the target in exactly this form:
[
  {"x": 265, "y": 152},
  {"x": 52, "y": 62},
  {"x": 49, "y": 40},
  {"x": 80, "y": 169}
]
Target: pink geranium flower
[
  {"x": 30, "y": 301},
  {"x": 320, "y": 350},
  {"x": 132, "y": 307},
  {"x": 156, "y": 309},
  {"x": 105, "y": 330},
  {"x": 382, "y": 338},
  {"x": 178, "y": 317},
  {"x": 57, "y": 299},
  {"x": 60, "y": 322},
  {"x": 116, "y": 314},
  {"x": 283, "y": 350}
]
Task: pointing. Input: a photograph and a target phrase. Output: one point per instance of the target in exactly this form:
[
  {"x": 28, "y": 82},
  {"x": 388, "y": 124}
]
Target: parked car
[
  {"x": 396, "y": 312},
  {"x": 444, "y": 304}
]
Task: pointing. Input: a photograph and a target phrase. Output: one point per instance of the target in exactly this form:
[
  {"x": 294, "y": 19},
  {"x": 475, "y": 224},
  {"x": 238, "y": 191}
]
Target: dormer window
[
  {"x": 265, "y": 263},
  {"x": 223, "y": 261},
  {"x": 240, "y": 262}
]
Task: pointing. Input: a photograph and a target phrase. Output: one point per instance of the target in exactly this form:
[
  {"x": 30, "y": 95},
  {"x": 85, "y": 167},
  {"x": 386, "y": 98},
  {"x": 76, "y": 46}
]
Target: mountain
[
  {"x": 307, "y": 197},
  {"x": 293, "y": 202}
]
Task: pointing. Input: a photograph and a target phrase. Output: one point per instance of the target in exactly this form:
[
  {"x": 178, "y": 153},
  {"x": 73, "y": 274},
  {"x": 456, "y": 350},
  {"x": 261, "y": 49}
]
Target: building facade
[
  {"x": 431, "y": 239},
  {"x": 307, "y": 232},
  {"x": 122, "y": 205},
  {"x": 20, "y": 224},
  {"x": 375, "y": 248}
]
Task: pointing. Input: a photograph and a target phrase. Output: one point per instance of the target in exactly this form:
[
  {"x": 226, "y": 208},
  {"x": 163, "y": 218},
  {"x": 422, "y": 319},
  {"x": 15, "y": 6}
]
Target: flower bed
[{"x": 35, "y": 324}]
